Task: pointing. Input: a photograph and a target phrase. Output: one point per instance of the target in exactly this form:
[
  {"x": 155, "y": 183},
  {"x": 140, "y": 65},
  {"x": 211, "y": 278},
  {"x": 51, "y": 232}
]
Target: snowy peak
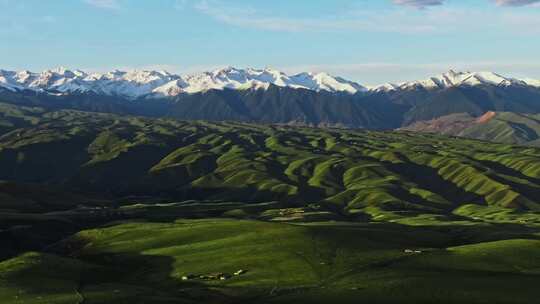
[
  {"x": 386, "y": 87},
  {"x": 155, "y": 84},
  {"x": 232, "y": 78},
  {"x": 326, "y": 82},
  {"x": 136, "y": 84},
  {"x": 456, "y": 79},
  {"x": 532, "y": 82},
  {"x": 7, "y": 81},
  {"x": 467, "y": 78}
]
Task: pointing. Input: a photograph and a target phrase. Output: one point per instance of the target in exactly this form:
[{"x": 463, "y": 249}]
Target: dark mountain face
[
  {"x": 283, "y": 105},
  {"x": 291, "y": 106},
  {"x": 474, "y": 100},
  {"x": 86, "y": 102},
  {"x": 274, "y": 105}
]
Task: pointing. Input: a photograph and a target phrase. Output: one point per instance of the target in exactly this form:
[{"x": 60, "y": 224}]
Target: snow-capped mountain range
[
  {"x": 454, "y": 79},
  {"x": 137, "y": 84}
]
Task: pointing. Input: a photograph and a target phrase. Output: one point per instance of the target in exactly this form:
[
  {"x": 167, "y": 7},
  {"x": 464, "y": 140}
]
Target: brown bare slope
[{"x": 504, "y": 127}]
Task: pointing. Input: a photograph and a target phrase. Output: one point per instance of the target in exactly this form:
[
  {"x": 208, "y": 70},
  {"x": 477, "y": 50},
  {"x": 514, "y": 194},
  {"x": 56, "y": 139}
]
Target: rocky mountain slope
[{"x": 505, "y": 127}]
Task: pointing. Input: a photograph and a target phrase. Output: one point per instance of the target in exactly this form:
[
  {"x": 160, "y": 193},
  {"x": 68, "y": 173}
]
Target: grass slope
[
  {"x": 355, "y": 172},
  {"x": 312, "y": 215},
  {"x": 140, "y": 262}
]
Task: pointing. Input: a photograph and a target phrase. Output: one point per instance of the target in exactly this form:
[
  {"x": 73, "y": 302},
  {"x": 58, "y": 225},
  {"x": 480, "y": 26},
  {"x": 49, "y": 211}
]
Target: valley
[{"x": 132, "y": 209}]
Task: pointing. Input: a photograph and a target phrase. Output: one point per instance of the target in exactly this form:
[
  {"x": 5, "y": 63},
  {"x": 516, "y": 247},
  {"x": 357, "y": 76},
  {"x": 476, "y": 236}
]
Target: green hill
[
  {"x": 351, "y": 171},
  {"x": 101, "y": 208},
  {"x": 175, "y": 262},
  {"x": 346, "y": 170}
]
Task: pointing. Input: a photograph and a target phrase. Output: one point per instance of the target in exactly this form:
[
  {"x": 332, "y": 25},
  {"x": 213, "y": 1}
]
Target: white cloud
[{"x": 105, "y": 4}]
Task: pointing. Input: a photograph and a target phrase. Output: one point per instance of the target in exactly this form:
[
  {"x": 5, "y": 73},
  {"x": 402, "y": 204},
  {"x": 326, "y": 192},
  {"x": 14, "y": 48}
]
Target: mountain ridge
[
  {"x": 156, "y": 84},
  {"x": 147, "y": 83},
  {"x": 270, "y": 96}
]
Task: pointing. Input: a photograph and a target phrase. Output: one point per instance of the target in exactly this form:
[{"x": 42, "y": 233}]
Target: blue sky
[{"x": 370, "y": 41}]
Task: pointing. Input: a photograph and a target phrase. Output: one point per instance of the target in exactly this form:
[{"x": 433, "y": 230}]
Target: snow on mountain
[
  {"x": 135, "y": 84},
  {"x": 455, "y": 79},
  {"x": 532, "y": 82},
  {"x": 323, "y": 81},
  {"x": 8, "y": 82},
  {"x": 387, "y": 87},
  {"x": 232, "y": 78},
  {"x": 131, "y": 84}
]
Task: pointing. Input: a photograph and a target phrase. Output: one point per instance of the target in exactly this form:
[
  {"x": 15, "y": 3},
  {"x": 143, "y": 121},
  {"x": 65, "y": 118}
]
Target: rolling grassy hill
[
  {"x": 141, "y": 262},
  {"x": 350, "y": 171},
  {"x": 100, "y": 208}
]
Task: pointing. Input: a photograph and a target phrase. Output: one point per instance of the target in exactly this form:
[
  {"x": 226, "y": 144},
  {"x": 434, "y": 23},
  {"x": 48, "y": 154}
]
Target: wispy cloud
[
  {"x": 366, "y": 21},
  {"x": 419, "y": 3},
  {"x": 104, "y": 4},
  {"x": 517, "y": 2},
  {"x": 389, "y": 20}
]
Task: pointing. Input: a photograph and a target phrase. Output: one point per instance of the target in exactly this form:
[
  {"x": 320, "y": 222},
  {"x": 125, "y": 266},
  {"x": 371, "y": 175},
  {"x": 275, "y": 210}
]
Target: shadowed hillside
[
  {"x": 100, "y": 208},
  {"x": 352, "y": 171}
]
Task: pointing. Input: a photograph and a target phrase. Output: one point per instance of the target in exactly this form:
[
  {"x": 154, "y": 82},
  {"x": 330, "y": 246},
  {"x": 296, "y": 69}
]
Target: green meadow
[{"x": 99, "y": 208}]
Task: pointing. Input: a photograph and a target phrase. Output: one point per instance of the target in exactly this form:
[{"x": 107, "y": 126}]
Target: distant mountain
[
  {"x": 270, "y": 96},
  {"x": 460, "y": 92},
  {"x": 137, "y": 84},
  {"x": 281, "y": 105},
  {"x": 504, "y": 127},
  {"x": 457, "y": 79}
]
